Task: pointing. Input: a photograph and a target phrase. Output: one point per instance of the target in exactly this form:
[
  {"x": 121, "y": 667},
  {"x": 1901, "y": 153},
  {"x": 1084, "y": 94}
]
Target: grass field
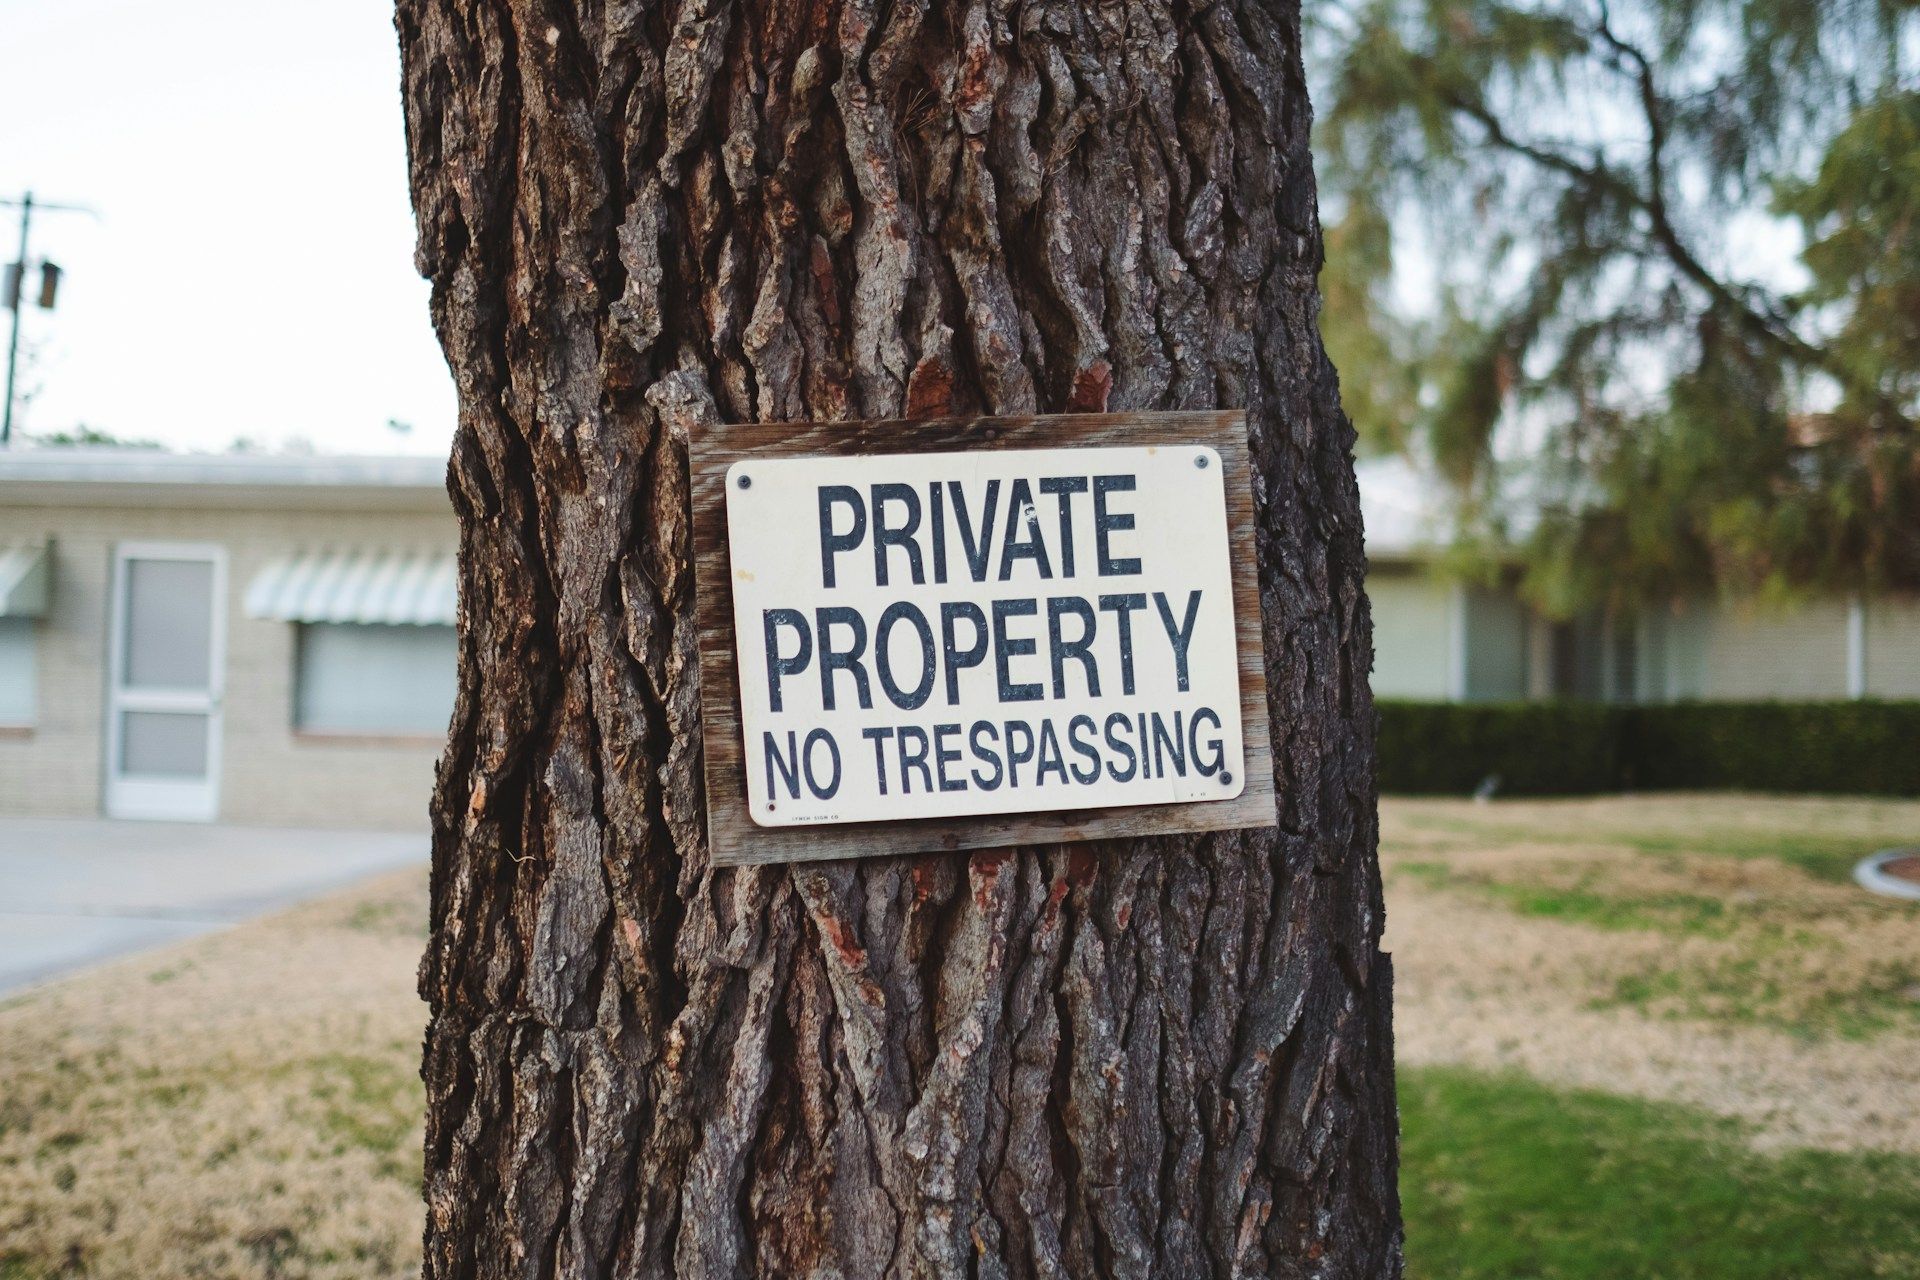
[
  {"x": 1638, "y": 1037},
  {"x": 1506, "y": 1178},
  {"x": 1710, "y": 951}
]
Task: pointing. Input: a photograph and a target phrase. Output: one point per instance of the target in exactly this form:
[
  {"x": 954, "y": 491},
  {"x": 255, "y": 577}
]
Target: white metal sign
[{"x": 1004, "y": 631}]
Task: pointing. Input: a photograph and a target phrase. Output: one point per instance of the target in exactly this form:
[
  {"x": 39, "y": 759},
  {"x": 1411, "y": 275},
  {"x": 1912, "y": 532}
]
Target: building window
[
  {"x": 19, "y": 673},
  {"x": 376, "y": 679}
]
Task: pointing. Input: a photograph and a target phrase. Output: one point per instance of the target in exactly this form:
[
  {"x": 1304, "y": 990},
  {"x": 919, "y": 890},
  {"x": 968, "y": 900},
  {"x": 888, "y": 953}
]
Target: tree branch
[{"x": 1769, "y": 328}]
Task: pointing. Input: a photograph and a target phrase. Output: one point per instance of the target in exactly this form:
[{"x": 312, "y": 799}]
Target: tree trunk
[{"x": 1167, "y": 1057}]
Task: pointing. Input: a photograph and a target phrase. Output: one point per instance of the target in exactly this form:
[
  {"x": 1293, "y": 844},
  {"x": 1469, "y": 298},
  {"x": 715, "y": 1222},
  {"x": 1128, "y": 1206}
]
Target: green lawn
[{"x": 1505, "y": 1178}]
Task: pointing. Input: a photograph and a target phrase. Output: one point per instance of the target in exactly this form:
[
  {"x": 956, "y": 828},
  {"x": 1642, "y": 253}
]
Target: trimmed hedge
[
  {"x": 1858, "y": 748},
  {"x": 1575, "y": 748},
  {"x": 1536, "y": 748}
]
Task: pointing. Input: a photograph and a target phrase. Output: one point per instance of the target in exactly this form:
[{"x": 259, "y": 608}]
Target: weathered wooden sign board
[{"x": 972, "y": 632}]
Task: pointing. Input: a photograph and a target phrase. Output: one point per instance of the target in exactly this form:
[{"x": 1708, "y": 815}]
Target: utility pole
[
  {"x": 16, "y": 290},
  {"x": 16, "y": 293}
]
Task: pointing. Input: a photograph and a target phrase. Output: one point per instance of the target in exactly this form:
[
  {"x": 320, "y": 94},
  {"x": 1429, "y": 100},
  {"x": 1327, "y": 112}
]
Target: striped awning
[
  {"x": 396, "y": 588},
  {"x": 25, "y": 581}
]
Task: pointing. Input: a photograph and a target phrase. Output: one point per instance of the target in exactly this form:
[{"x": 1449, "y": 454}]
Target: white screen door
[{"x": 165, "y": 673}]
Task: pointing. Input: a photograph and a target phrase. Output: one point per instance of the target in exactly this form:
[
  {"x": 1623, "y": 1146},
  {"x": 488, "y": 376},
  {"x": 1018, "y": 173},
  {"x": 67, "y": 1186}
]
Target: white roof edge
[
  {"x": 140, "y": 466},
  {"x": 1403, "y": 508},
  {"x": 131, "y": 477}
]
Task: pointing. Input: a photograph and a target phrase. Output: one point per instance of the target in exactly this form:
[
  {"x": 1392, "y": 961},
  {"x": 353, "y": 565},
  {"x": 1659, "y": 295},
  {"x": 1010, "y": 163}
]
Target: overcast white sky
[{"x": 251, "y": 271}]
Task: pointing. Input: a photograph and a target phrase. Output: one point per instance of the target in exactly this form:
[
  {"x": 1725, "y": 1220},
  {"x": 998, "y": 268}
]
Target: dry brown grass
[
  {"x": 241, "y": 1105},
  {"x": 1700, "y": 949}
]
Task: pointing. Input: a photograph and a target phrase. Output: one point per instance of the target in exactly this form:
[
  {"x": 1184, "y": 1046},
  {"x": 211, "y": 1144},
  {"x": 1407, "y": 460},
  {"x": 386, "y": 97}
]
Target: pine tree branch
[{"x": 1771, "y": 330}]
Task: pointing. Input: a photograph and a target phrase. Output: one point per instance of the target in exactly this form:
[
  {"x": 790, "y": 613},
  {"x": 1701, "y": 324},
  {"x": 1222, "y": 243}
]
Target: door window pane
[
  {"x": 163, "y": 744},
  {"x": 169, "y": 624}
]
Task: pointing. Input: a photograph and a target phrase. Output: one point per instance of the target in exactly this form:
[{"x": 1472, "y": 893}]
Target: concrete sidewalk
[{"x": 75, "y": 892}]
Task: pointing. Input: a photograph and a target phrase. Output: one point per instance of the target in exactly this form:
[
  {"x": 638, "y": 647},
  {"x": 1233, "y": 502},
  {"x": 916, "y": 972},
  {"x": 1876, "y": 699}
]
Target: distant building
[
  {"x": 271, "y": 639},
  {"x": 255, "y": 639},
  {"x": 1437, "y": 640}
]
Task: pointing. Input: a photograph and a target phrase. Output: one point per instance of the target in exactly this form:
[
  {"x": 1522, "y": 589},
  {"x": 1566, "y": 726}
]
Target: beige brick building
[
  {"x": 271, "y": 639},
  {"x": 1441, "y": 640},
  {"x": 253, "y": 639}
]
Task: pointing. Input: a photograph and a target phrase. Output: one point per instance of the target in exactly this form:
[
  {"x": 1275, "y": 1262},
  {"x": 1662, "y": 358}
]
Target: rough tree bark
[{"x": 1167, "y": 1057}]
